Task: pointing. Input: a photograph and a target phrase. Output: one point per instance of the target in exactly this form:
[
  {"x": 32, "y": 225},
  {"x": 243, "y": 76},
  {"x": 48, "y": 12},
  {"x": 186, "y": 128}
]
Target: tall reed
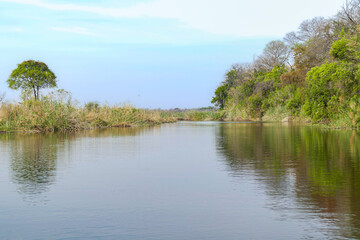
[{"x": 49, "y": 115}]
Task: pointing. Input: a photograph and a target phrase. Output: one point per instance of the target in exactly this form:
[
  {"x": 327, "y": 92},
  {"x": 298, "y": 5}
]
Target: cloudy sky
[{"x": 150, "y": 53}]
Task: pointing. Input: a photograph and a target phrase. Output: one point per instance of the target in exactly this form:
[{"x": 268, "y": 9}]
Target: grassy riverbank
[
  {"x": 51, "y": 116},
  {"x": 344, "y": 120},
  {"x": 196, "y": 115},
  {"x": 348, "y": 119}
]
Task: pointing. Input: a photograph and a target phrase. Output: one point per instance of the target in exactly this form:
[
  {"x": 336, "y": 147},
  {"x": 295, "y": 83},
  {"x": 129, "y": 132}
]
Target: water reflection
[
  {"x": 33, "y": 163},
  {"x": 319, "y": 168},
  {"x": 34, "y": 157},
  {"x": 295, "y": 182},
  {"x": 115, "y": 132}
]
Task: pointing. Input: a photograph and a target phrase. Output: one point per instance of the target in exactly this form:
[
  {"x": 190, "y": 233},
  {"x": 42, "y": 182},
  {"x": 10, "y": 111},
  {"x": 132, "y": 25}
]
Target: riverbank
[
  {"x": 279, "y": 114},
  {"x": 56, "y": 116},
  {"x": 343, "y": 120},
  {"x": 196, "y": 115},
  {"x": 312, "y": 74}
]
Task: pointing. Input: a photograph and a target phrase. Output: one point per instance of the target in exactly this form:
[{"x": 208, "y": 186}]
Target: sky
[{"x": 147, "y": 53}]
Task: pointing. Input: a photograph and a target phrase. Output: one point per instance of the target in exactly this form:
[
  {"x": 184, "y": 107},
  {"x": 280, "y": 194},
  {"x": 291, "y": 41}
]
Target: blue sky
[{"x": 150, "y": 53}]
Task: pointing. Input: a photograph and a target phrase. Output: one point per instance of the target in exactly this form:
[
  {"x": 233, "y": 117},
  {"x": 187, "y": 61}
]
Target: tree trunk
[
  {"x": 38, "y": 90},
  {"x": 35, "y": 93}
]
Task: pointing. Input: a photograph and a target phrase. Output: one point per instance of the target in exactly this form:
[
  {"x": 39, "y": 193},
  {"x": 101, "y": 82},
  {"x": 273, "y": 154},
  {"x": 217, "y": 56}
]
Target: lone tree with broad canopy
[{"x": 32, "y": 75}]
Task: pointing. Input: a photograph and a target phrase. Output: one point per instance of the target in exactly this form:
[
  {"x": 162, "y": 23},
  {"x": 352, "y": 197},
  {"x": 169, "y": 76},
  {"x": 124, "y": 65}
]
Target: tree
[
  {"x": 310, "y": 46},
  {"x": 221, "y": 94},
  {"x": 32, "y": 75},
  {"x": 349, "y": 16},
  {"x": 276, "y": 53},
  {"x": 317, "y": 27},
  {"x": 238, "y": 74}
]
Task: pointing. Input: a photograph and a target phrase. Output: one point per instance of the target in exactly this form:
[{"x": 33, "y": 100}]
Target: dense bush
[{"x": 319, "y": 79}]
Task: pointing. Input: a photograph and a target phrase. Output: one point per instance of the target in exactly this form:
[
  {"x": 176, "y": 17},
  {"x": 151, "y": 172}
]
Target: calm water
[{"x": 182, "y": 181}]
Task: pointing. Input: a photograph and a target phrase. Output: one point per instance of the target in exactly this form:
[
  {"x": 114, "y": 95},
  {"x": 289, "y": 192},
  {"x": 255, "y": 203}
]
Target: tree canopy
[
  {"x": 276, "y": 53},
  {"x": 313, "y": 74},
  {"x": 32, "y": 75}
]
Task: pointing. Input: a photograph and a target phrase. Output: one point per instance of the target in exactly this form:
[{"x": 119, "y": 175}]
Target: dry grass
[
  {"x": 50, "y": 116},
  {"x": 194, "y": 115}
]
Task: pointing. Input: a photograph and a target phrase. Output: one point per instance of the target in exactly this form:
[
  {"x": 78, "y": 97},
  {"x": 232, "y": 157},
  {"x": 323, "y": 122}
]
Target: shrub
[
  {"x": 254, "y": 106},
  {"x": 92, "y": 106},
  {"x": 294, "y": 104}
]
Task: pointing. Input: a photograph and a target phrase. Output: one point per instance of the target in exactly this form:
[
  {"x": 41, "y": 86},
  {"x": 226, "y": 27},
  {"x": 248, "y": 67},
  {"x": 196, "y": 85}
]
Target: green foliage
[
  {"x": 321, "y": 82},
  {"x": 324, "y": 96},
  {"x": 221, "y": 94},
  {"x": 294, "y": 104},
  {"x": 246, "y": 90},
  {"x": 340, "y": 49},
  {"x": 321, "y": 88},
  {"x": 254, "y": 106},
  {"x": 32, "y": 75},
  {"x": 347, "y": 48},
  {"x": 92, "y": 106},
  {"x": 230, "y": 78},
  {"x": 354, "y": 111},
  {"x": 280, "y": 96},
  {"x": 275, "y": 74}
]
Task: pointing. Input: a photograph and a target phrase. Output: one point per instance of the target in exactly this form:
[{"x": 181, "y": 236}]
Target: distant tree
[
  {"x": 221, "y": 94},
  {"x": 311, "y": 44},
  {"x": 238, "y": 74},
  {"x": 276, "y": 53},
  {"x": 92, "y": 106},
  {"x": 349, "y": 15},
  {"x": 232, "y": 77},
  {"x": 32, "y": 75},
  {"x": 317, "y": 27}
]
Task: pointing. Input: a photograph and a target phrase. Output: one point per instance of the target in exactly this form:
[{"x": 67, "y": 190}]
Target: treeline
[{"x": 313, "y": 73}]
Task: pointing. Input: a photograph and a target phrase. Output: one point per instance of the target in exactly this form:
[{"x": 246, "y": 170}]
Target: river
[{"x": 186, "y": 180}]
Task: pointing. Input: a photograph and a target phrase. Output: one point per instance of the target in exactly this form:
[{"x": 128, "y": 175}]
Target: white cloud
[
  {"x": 228, "y": 17},
  {"x": 75, "y": 30}
]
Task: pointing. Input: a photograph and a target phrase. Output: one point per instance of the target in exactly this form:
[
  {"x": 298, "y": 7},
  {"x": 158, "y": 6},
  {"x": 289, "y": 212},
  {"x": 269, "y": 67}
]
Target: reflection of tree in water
[
  {"x": 33, "y": 162},
  {"x": 320, "y": 168},
  {"x": 34, "y": 157}
]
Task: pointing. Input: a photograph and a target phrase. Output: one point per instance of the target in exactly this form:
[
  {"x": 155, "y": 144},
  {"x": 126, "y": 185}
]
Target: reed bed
[
  {"x": 49, "y": 115},
  {"x": 195, "y": 115}
]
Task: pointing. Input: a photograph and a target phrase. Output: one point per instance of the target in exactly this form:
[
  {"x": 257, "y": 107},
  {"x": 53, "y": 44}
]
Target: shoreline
[
  {"x": 50, "y": 116},
  {"x": 304, "y": 123}
]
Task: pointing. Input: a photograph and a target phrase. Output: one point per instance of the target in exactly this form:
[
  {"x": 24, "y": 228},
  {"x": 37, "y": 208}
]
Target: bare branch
[
  {"x": 2, "y": 97},
  {"x": 350, "y": 14},
  {"x": 276, "y": 53}
]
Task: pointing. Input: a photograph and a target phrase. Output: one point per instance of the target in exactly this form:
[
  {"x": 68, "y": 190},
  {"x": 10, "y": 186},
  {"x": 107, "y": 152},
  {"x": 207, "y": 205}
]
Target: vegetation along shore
[
  {"x": 57, "y": 112},
  {"x": 312, "y": 75},
  {"x": 49, "y": 115}
]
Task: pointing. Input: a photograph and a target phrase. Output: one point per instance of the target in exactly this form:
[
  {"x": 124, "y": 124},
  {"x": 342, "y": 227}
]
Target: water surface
[{"x": 188, "y": 180}]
